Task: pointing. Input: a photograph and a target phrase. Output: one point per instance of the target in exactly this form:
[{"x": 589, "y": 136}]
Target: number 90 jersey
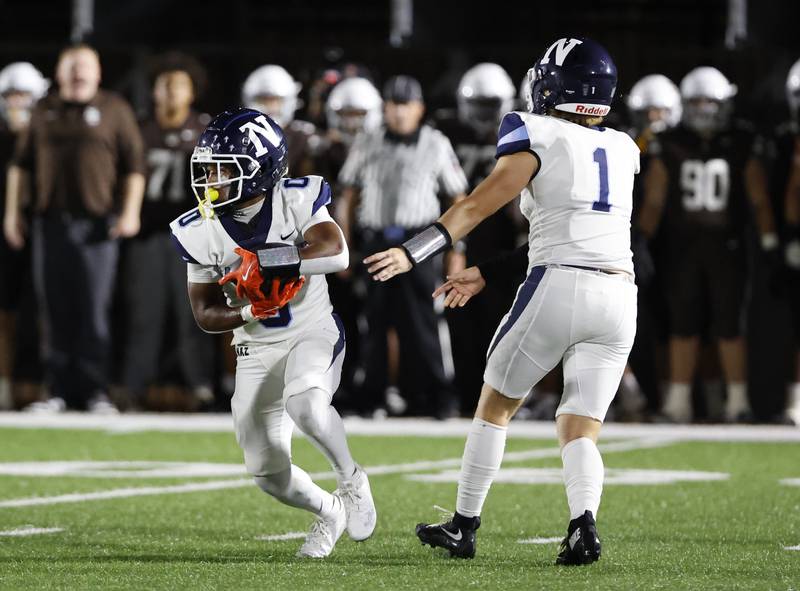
[
  {"x": 706, "y": 192},
  {"x": 579, "y": 202},
  {"x": 207, "y": 245}
]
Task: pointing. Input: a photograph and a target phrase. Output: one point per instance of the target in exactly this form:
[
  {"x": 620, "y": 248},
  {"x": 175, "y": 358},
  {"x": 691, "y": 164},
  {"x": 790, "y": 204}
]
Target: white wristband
[{"x": 246, "y": 312}]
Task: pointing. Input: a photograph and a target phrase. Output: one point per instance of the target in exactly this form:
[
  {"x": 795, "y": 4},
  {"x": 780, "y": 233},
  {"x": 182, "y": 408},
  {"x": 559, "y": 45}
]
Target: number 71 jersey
[{"x": 579, "y": 203}]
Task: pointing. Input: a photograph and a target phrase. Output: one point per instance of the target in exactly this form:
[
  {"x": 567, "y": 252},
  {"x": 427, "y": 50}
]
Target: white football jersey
[
  {"x": 579, "y": 202},
  {"x": 207, "y": 245}
]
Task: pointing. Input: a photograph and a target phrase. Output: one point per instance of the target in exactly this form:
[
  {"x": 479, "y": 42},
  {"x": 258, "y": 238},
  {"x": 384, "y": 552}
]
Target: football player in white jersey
[
  {"x": 579, "y": 300},
  {"x": 269, "y": 241}
]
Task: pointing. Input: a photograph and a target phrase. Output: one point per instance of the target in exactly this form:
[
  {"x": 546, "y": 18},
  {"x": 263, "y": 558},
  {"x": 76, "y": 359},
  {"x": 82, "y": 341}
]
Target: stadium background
[{"x": 232, "y": 38}]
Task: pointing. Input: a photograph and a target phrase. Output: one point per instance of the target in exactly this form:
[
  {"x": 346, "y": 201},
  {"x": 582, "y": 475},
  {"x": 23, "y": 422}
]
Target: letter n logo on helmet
[
  {"x": 562, "y": 47},
  {"x": 260, "y": 128}
]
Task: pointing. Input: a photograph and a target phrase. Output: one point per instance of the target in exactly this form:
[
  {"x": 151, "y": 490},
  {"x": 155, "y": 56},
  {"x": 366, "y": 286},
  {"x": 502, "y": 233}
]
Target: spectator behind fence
[
  {"x": 391, "y": 183},
  {"x": 154, "y": 279},
  {"x": 85, "y": 151}
]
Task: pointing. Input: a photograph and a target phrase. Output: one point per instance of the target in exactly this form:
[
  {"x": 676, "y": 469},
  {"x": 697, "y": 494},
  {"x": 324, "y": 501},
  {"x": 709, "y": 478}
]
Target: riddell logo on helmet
[{"x": 593, "y": 110}]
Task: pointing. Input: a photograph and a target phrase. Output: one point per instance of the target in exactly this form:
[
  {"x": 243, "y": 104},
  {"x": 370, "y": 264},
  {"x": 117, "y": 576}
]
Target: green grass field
[{"x": 727, "y": 533}]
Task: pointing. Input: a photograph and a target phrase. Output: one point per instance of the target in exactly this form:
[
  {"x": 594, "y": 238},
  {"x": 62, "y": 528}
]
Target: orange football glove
[
  {"x": 286, "y": 290},
  {"x": 280, "y": 293},
  {"x": 246, "y": 277}
]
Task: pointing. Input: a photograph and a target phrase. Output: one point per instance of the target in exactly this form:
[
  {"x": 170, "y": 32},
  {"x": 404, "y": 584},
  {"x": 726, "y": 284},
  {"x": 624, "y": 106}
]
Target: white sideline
[
  {"x": 30, "y": 531},
  {"x": 222, "y": 423},
  {"x": 127, "y": 492}
]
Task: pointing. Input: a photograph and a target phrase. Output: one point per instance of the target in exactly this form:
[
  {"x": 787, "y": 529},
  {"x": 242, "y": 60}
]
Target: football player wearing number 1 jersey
[
  {"x": 269, "y": 241},
  {"x": 578, "y": 302}
]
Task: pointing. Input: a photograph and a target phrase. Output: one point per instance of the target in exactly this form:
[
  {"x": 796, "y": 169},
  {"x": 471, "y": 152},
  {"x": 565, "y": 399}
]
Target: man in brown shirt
[
  {"x": 153, "y": 279},
  {"x": 84, "y": 152}
]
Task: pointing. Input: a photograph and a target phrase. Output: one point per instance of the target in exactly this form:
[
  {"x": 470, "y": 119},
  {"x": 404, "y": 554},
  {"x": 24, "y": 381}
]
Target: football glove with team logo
[{"x": 266, "y": 294}]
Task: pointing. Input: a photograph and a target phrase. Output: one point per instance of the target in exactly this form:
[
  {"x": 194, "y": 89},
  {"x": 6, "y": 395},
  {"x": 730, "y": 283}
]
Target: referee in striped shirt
[{"x": 393, "y": 183}]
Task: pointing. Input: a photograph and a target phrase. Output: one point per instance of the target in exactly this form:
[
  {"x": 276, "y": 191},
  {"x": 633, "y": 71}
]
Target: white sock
[
  {"x": 6, "y": 401},
  {"x": 583, "y": 476},
  {"x": 483, "y": 454},
  {"x": 678, "y": 404},
  {"x": 295, "y": 488},
  {"x": 312, "y": 413},
  {"x": 737, "y": 400},
  {"x": 794, "y": 396}
]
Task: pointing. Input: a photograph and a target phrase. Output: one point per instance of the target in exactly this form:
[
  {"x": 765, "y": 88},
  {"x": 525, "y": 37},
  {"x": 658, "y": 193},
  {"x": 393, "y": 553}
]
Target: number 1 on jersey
[{"x": 602, "y": 203}]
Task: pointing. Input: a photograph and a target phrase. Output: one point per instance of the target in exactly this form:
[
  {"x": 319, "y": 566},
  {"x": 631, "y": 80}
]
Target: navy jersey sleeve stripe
[
  {"x": 324, "y": 197},
  {"x": 184, "y": 254},
  {"x": 513, "y": 136}
]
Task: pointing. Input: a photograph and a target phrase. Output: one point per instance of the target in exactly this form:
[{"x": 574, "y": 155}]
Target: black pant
[
  {"x": 75, "y": 264},
  {"x": 155, "y": 293},
  {"x": 404, "y": 302}
]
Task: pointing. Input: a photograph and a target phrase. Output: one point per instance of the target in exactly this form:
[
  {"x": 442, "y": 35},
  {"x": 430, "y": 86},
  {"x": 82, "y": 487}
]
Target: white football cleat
[
  {"x": 357, "y": 498},
  {"x": 324, "y": 533}
]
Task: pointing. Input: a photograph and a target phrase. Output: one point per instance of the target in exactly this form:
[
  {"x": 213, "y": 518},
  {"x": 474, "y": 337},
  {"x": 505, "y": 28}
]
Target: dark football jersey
[
  {"x": 706, "y": 193},
  {"x": 329, "y": 159},
  {"x": 7, "y": 142},
  {"x": 168, "y": 192},
  {"x": 302, "y": 143},
  {"x": 784, "y": 156},
  {"x": 476, "y": 154}
]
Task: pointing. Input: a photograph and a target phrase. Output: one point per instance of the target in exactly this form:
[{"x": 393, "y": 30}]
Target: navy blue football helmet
[
  {"x": 240, "y": 155},
  {"x": 575, "y": 75}
]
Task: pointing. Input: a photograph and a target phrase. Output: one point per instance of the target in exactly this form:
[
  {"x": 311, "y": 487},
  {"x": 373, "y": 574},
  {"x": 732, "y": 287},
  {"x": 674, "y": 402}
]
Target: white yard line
[
  {"x": 540, "y": 540},
  {"x": 222, "y": 423},
  {"x": 124, "y": 493},
  {"x": 790, "y": 481},
  {"x": 292, "y": 535},
  {"x": 30, "y": 531},
  {"x": 792, "y": 547},
  {"x": 127, "y": 492}
]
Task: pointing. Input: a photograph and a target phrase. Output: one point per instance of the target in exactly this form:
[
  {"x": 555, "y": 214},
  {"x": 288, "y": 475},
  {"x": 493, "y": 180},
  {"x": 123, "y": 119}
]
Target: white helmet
[
  {"x": 707, "y": 83},
  {"x": 484, "y": 95},
  {"x": 21, "y": 77},
  {"x": 656, "y": 91},
  {"x": 354, "y": 94},
  {"x": 272, "y": 81},
  {"x": 793, "y": 89}
]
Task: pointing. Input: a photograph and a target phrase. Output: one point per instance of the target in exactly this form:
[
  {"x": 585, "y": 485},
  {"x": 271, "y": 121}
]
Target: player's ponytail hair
[{"x": 585, "y": 120}]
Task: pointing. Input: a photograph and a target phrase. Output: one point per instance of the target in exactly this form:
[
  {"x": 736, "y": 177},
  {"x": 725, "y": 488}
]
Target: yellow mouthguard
[{"x": 212, "y": 194}]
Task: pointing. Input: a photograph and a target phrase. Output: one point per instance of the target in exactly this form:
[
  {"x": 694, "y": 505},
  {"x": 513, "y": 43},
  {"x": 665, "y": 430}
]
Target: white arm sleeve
[
  {"x": 202, "y": 273},
  {"x": 325, "y": 265}
]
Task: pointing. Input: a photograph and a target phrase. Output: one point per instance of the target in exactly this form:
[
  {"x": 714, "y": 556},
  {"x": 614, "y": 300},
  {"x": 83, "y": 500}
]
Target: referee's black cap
[{"x": 402, "y": 89}]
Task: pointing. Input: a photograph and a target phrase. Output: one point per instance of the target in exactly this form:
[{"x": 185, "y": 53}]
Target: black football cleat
[
  {"x": 457, "y": 535},
  {"x": 582, "y": 545}
]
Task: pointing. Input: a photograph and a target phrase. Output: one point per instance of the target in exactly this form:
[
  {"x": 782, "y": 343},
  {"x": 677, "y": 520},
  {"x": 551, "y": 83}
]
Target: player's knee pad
[{"x": 310, "y": 410}]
